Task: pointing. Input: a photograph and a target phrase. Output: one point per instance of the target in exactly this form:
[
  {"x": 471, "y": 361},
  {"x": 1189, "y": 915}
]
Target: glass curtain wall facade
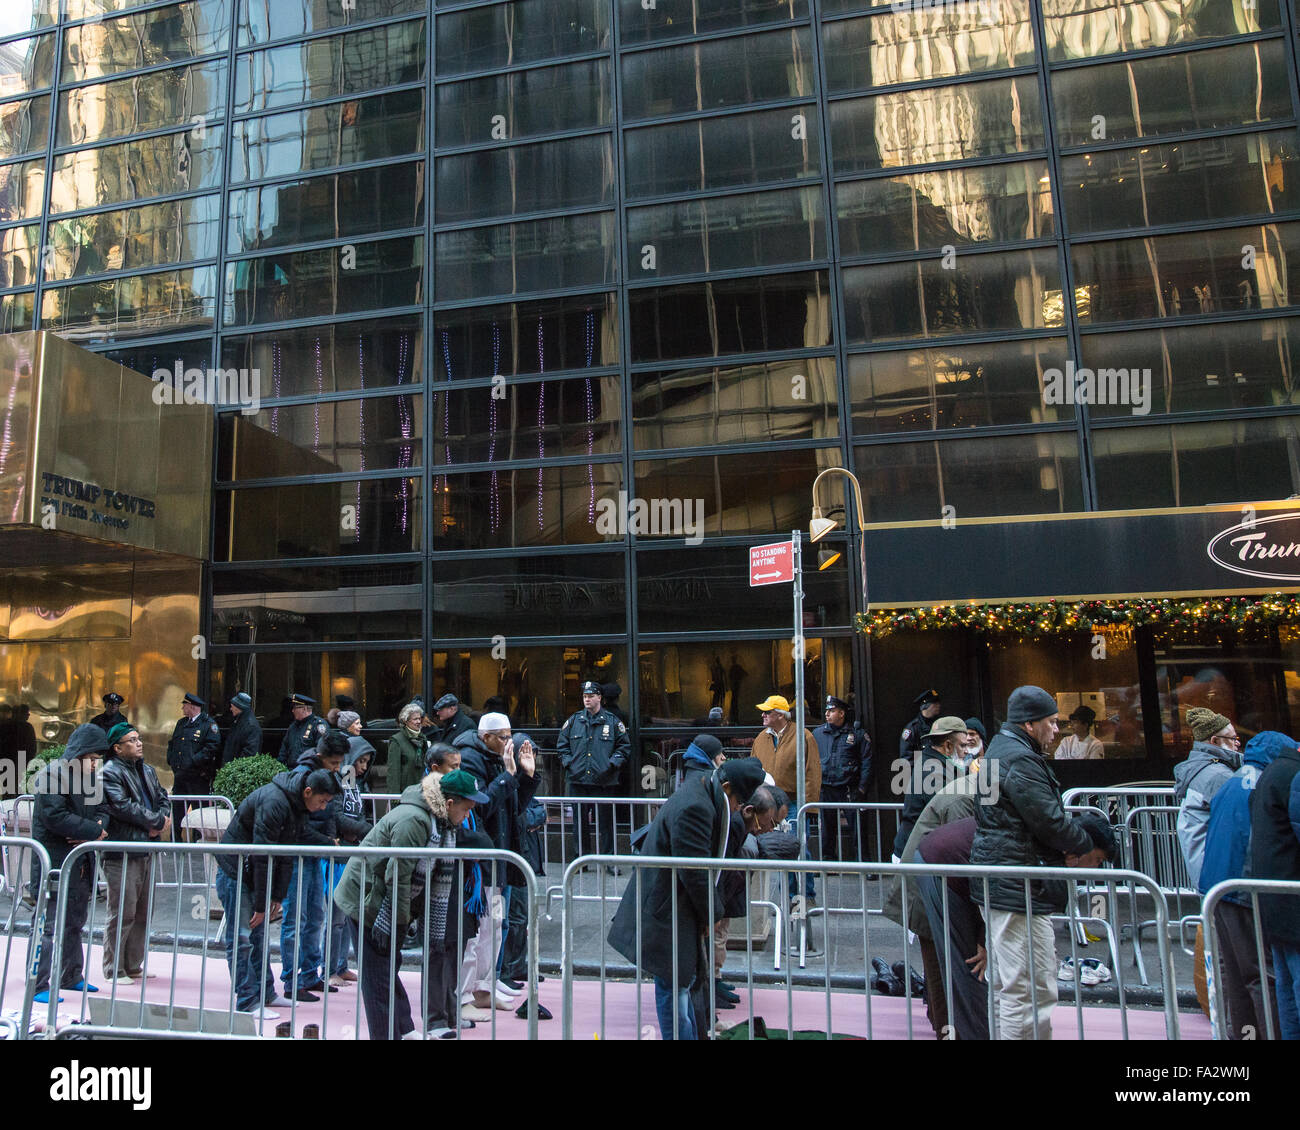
[{"x": 555, "y": 306}]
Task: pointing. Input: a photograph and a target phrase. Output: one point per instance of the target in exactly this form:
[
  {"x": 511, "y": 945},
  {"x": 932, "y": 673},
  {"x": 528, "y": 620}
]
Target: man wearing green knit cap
[{"x": 137, "y": 808}]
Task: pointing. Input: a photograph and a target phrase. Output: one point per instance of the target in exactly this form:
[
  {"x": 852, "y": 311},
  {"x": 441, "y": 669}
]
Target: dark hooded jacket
[
  {"x": 134, "y": 799},
  {"x": 331, "y": 822},
  {"x": 244, "y": 739},
  {"x": 508, "y": 796},
  {"x": 1226, "y": 852},
  {"x": 694, "y": 822},
  {"x": 273, "y": 814},
  {"x": 69, "y": 802},
  {"x": 352, "y": 808},
  {"x": 1275, "y": 844},
  {"x": 1026, "y": 826}
]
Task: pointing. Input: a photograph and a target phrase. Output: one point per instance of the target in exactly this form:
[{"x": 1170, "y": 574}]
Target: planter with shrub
[{"x": 245, "y": 775}]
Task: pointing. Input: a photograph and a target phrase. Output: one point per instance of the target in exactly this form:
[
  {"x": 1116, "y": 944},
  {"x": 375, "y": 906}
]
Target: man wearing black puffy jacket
[{"x": 1021, "y": 822}]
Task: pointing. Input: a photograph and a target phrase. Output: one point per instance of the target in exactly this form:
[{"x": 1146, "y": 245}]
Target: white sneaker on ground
[
  {"x": 123, "y": 979},
  {"x": 1066, "y": 971},
  {"x": 442, "y": 1033},
  {"x": 502, "y": 987},
  {"x": 264, "y": 1014},
  {"x": 1093, "y": 972}
]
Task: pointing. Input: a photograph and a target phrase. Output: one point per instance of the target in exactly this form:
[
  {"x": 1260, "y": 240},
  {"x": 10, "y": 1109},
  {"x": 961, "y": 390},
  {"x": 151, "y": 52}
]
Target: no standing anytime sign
[{"x": 771, "y": 564}]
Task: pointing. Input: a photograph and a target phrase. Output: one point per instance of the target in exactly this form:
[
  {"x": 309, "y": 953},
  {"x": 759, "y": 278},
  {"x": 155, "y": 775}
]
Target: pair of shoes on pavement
[
  {"x": 1091, "y": 971},
  {"x": 543, "y": 1013},
  {"x": 726, "y": 996},
  {"x": 888, "y": 980}
]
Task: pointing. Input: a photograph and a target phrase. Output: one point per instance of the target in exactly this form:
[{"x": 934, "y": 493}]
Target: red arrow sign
[{"x": 771, "y": 564}]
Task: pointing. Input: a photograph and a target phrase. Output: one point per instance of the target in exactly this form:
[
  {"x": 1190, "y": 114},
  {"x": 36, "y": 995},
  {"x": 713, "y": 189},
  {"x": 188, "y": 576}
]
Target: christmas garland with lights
[{"x": 1058, "y": 617}]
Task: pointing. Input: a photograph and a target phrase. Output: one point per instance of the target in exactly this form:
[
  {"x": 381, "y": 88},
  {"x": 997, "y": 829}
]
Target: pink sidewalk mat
[{"x": 610, "y": 1014}]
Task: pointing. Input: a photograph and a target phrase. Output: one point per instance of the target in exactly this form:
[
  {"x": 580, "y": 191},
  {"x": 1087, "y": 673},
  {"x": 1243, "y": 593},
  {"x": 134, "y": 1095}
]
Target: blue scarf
[
  {"x": 474, "y": 881},
  {"x": 697, "y": 756}
]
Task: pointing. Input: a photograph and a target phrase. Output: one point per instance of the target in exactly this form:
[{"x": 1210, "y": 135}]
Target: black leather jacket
[{"x": 134, "y": 799}]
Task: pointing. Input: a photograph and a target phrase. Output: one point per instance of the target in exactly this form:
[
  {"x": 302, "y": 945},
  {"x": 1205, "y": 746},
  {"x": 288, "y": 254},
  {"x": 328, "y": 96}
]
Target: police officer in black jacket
[
  {"x": 306, "y": 729},
  {"x": 845, "y": 753},
  {"x": 111, "y": 715},
  {"x": 244, "y": 738},
  {"x": 928, "y": 705},
  {"x": 192, "y": 753},
  {"x": 593, "y": 747}
]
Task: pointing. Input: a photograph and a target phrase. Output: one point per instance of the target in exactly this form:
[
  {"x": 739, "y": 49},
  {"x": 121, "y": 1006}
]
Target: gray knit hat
[
  {"x": 1029, "y": 704},
  {"x": 347, "y": 718}
]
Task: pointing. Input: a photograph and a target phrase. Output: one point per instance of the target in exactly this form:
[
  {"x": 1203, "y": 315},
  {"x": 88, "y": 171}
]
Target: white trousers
[
  {"x": 477, "y": 972},
  {"x": 1023, "y": 1006}
]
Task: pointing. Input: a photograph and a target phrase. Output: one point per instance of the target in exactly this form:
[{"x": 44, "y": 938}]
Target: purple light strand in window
[
  {"x": 361, "y": 421},
  {"x": 541, "y": 417},
  {"x": 404, "y": 416},
  {"x": 275, "y": 379},
  {"x": 320, "y": 388},
  {"x": 494, "y": 502},
  {"x": 591, "y": 418}
]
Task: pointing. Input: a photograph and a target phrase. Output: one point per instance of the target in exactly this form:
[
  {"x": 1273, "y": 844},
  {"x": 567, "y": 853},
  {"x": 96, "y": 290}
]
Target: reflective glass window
[
  {"x": 1170, "y": 94},
  {"x": 194, "y": 95},
  {"x": 132, "y": 306},
  {"x": 262, "y": 21},
  {"x": 137, "y": 170},
  {"x": 526, "y": 31},
  {"x": 24, "y": 126},
  {"x": 340, "y": 133},
  {"x": 31, "y": 15},
  {"x": 1215, "y": 178},
  {"x": 571, "y": 173},
  {"x": 727, "y": 232},
  {"x": 1204, "y": 368},
  {"x": 929, "y": 124},
  {"x": 145, "y": 39},
  {"x": 175, "y": 231},
  {"x": 318, "y": 519},
  {"x": 547, "y": 335},
  {"x": 1033, "y": 474},
  {"x": 324, "y": 603},
  {"x": 379, "y": 682},
  {"x": 768, "y": 146},
  {"x": 1170, "y": 276},
  {"x": 351, "y": 63},
  {"x": 671, "y": 19},
  {"x": 1196, "y": 464},
  {"x": 717, "y": 73},
  {"x": 892, "y": 48},
  {"x": 19, "y": 256},
  {"x": 706, "y": 588},
  {"x": 692, "y": 496},
  {"x": 26, "y": 64},
  {"x": 17, "y": 312},
  {"x": 711, "y": 319},
  {"x": 1077, "y": 31},
  {"x": 982, "y": 384},
  {"x": 22, "y": 191},
  {"x": 534, "y": 420},
  {"x": 372, "y": 434},
  {"x": 1013, "y": 290},
  {"x": 329, "y": 280},
  {"x": 773, "y": 400},
  {"x": 948, "y": 207},
  {"x": 363, "y": 202},
  {"x": 537, "y": 595},
  {"x": 523, "y": 103},
  {"x": 498, "y": 509},
  {"x": 342, "y": 357},
  {"x": 195, "y": 353},
  {"x": 530, "y": 255}
]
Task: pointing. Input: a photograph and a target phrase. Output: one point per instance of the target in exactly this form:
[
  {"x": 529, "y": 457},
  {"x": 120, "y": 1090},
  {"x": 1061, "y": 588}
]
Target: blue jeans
[
  {"x": 245, "y": 963},
  {"x": 505, "y": 925},
  {"x": 664, "y": 1007},
  {"x": 340, "y": 937},
  {"x": 1286, "y": 967},
  {"x": 309, "y": 956}
]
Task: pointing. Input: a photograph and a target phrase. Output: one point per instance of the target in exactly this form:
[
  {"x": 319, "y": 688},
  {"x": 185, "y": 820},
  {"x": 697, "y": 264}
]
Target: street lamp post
[{"x": 821, "y": 525}]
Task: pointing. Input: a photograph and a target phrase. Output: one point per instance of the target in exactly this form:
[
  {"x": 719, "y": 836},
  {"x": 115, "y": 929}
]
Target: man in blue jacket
[
  {"x": 1275, "y": 854},
  {"x": 1226, "y": 855}
]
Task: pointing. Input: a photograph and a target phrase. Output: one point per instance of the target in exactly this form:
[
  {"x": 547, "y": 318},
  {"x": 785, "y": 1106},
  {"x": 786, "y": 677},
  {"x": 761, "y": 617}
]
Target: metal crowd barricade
[
  {"x": 924, "y": 881},
  {"x": 181, "y": 868},
  {"x": 182, "y": 1002},
  {"x": 1116, "y": 801},
  {"x": 13, "y": 862},
  {"x": 1244, "y": 1022},
  {"x": 25, "y": 963},
  {"x": 1152, "y": 847},
  {"x": 568, "y": 830}
]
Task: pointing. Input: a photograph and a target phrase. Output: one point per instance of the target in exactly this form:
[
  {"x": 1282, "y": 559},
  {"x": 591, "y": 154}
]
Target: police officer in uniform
[
  {"x": 845, "y": 753},
  {"x": 192, "y": 753},
  {"x": 928, "y": 707},
  {"x": 111, "y": 716},
  {"x": 593, "y": 747},
  {"x": 306, "y": 729}
]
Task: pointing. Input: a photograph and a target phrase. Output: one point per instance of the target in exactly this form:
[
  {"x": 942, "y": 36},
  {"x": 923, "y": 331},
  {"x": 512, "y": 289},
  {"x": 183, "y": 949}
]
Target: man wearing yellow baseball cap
[{"x": 775, "y": 748}]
